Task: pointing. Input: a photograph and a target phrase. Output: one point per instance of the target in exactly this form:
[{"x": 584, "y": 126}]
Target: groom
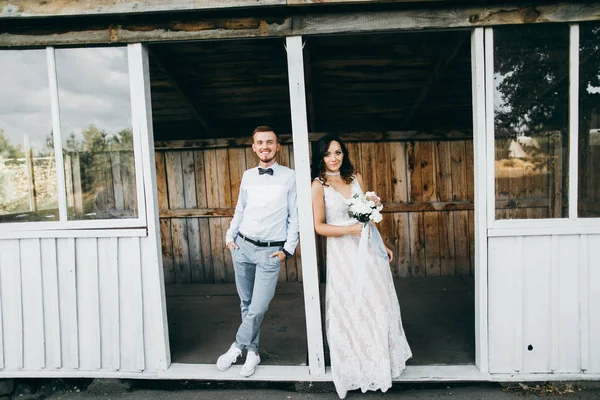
[{"x": 262, "y": 235}]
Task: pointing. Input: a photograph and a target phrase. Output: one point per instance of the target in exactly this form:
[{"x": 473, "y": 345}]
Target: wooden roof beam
[
  {"x": 304, "y": 24},
  {"x": 167, "y": 68},
  {"x": 451, "y": 51}
]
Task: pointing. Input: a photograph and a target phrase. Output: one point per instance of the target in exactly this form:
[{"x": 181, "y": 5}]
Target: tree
[{"x": 8, "y": 150}]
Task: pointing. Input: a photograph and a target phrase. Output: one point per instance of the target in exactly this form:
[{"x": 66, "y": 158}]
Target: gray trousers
[{"x": 255, "y": 279}]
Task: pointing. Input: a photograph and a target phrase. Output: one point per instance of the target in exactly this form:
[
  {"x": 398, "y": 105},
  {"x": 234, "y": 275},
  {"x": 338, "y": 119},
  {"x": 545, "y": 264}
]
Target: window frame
[
  {"x": 571, "y": 224},
  {"x": 63, "y": 222}
]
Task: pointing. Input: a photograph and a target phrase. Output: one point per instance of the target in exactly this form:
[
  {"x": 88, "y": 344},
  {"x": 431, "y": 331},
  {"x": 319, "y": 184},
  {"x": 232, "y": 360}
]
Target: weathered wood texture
[
  {"x": 155, "y": 27},
  {"x": 36, "y": 9},
  {"x": 197, "y": 193},
  {"x": 101, "y": 182},
  {"x": 529, "y": 187},
  {"x": 427, "y": 188}
]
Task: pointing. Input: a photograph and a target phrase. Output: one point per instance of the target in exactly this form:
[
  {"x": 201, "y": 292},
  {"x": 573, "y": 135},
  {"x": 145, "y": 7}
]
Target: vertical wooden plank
[
  {"x": 237, "y": 166},
  {"x": 155, "y": 314},
  {"x": 88, "y": 303},
  {"x": 192, "y": 225},
  {"x": 228, "y": 266},
  {"x": 427, "y": 171},
  {"x": 417, "y": 244},
  {"x": 12, "y": 309},
  {"x": 414, "y": 167},
  {"x": 128, "y": 177},
  {"x": 536, "y": 307},
  {"x": 354, "y": 153},
  {"x": 446, "y": 218},
  {"x": 115, "y": 163},
  {"x": 569, "y": 338},
  {"x": 251, "y": 159},
  {"x": 316, "y": 364},
  {"x": 593, "y": 283},
  {"x": 383, "y": 181},
  {"x": 166, "y": 245},
  {"x": 161, "y": 180},
  {"x": 369, "y": 163},
  {"x": 77, "y": 193},
  {"x": 399, "y": 172},
  {"x": 461, "y": 218},
  {"x": 502, "y": 304},
  {"x": 68, "y": 179},
  {"x": 284, "y": 157},
  {"x": 447, "y": 249},
  {"x": 584, "y": 320},
  {"x": 470, "y": 169},
  {"x": 181, "y": 255},
  {"x": 165, "y": 223},
  {"x": 403, "y": 243},
  {"x": 33, "y": 304},
  {"x": 432, "y": 244},
  {"x": 130, "y": 305},
  {"x": 51, "y": 303},
  {"x": 108, "y": 270},
  {"x": 558, "y": 176},
  {"x": 216, "y": 231},
  {"x": 205, "y": 243},
  {"x": 67, "y": 283},
  {"x": 223, "y": 178}
]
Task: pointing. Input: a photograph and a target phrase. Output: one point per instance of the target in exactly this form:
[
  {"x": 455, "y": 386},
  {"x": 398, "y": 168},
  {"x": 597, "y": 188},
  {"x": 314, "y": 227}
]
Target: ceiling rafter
[
  {"x": 167, "y": 68},
  {"x": 451, "y": 51}
]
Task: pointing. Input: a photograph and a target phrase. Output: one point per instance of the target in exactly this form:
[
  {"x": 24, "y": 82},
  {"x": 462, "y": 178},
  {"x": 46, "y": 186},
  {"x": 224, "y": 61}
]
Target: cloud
[{"x": 93, "y": 89}]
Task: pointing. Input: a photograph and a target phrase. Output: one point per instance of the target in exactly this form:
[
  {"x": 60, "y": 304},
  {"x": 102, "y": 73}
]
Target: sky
[{"x": 93, "y": 89}]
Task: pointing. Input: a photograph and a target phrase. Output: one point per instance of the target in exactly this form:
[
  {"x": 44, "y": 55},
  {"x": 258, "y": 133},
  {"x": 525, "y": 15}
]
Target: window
[
  {"x": 28, "y": 189},
  {"x": 97, "y": 139},
  {"x": 589, "y": 121},
  {"x": 68, "y": 142},
  {"x": 531, "y": 100}
]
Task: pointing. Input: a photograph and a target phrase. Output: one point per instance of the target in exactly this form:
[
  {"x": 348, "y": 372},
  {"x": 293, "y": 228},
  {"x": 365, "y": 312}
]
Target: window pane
[
  {"x": 28, "y": 190},
  {"x": 589, "y": 121},
  {"x": 95, "y": 112},
  {"x": 531, "y": 81}
]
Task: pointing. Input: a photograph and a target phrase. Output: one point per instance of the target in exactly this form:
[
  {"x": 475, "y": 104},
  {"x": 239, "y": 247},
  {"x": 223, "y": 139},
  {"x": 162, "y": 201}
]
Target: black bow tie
[{"x": 262, "y": 171}]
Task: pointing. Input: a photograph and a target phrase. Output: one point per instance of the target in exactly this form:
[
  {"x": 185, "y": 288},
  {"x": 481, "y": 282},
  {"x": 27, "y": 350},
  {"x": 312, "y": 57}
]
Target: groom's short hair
[{"x": 264, "y": 128}]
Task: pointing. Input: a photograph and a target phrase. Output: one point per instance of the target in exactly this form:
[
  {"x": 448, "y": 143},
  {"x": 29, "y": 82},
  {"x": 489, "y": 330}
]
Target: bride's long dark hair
[{"x": 318, "y": 169}]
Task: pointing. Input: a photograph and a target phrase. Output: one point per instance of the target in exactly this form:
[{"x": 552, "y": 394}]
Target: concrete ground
[
  {"x": 437, "y": 312},
  {"x": 222, "y": 391}
]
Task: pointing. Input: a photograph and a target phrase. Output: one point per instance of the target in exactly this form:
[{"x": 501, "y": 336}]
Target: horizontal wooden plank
[
  {"x": 313, "y": 137},
  {"x": 36, "y": 8},
  {"x": 387, "y": 208},
  {"x": 303, "y": 24}
]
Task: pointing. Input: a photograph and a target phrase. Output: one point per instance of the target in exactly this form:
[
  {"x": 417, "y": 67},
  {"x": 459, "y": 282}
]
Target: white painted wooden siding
[
  {"x": 544, "y": 292},
  {"x": 83, "y": 304}
]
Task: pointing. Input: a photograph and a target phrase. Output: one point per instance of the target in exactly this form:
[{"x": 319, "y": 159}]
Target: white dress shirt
[{"x": 267, "y": 207}]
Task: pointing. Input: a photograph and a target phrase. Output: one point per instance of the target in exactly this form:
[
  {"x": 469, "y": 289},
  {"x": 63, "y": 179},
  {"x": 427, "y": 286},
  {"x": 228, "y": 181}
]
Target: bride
[{"x": 366, "y": 340}]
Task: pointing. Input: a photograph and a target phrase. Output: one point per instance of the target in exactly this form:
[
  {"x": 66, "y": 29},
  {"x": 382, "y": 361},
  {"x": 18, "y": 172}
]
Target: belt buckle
[{"x": 269, "y": 243}]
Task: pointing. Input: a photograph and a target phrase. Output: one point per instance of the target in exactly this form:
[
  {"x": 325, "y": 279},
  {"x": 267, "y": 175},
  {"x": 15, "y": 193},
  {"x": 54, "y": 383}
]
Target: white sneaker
[
  {"x": 225, "y": 360},
  {"x": 252, "y": 360}
]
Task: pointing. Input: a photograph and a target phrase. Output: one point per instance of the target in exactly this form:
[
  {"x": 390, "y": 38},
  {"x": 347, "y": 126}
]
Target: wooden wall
[
  {"x": 84, "y": 304},
  {"x": 543, "y": 304},
  {"x": 427, "y": 187},
  {"x": 197, "y": 193}
]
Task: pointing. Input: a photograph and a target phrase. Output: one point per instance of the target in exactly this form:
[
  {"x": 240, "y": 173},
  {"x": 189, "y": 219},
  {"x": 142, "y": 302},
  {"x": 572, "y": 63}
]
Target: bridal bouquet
[{"x": 365, "y": 208}]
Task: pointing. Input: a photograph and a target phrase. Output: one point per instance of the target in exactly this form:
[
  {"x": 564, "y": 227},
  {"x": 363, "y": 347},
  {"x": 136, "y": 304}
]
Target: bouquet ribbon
[{"x": 367, "y": 236}]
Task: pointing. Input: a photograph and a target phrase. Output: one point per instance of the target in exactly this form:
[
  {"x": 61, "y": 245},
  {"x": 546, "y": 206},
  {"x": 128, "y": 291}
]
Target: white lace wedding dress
[{"x": 366, "y": 340}]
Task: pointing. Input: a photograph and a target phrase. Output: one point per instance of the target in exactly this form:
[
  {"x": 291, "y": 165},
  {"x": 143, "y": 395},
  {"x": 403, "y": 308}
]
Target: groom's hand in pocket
[{"x": 280, "y": 254}]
